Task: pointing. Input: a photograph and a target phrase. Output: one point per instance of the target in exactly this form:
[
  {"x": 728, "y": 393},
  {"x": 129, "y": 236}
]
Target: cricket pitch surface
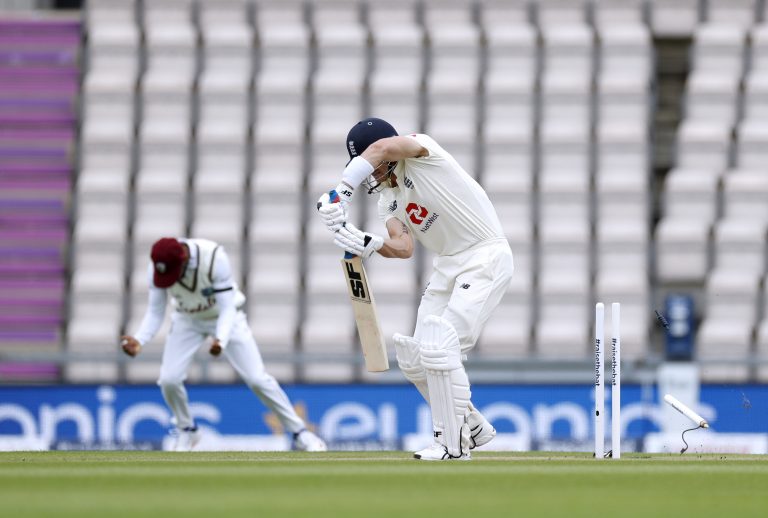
[{"x": 388, "y": 484}]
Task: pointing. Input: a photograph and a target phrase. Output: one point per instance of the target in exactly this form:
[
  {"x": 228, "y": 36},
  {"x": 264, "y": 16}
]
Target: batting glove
[
  {"x": 332, "y": 212},
  {"x": 357, "y": 242}
]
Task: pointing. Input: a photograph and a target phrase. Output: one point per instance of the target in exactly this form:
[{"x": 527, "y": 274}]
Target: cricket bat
[{"x": 364, "y": 307}]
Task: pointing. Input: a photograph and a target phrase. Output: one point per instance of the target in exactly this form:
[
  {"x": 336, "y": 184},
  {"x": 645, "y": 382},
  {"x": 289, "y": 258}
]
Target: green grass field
[{"x": 366, "y": 484}]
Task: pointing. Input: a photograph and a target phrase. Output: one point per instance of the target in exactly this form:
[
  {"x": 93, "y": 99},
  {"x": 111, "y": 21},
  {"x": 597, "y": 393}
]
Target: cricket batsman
[{"x": 426, "y": 195}]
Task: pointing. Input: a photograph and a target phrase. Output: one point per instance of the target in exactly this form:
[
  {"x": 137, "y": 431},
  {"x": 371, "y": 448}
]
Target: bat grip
[{"x": 348, "y": 255}]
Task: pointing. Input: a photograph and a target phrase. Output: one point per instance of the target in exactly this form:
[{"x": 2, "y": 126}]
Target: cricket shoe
[
  {"x": 187, "y": 439},
  {"x": 480, "y": 430},
  {"x": 307, "y": 441},
  {"x": 439, "y": 452}
]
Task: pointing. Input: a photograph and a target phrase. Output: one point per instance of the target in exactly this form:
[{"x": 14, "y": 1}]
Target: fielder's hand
[
  {"x": 357, "y": 242},
  {"x": 332, "y": 211},
  {"x": 130, "y": 345},
  {"x": 216, "y": 348}
]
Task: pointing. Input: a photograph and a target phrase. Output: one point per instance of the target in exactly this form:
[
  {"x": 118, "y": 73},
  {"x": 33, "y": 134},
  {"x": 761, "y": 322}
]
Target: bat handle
[{"x": 348, "y": 255}]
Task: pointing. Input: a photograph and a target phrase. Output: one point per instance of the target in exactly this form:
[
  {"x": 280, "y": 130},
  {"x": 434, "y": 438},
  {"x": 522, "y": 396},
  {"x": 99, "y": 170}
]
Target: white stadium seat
[
  {"x": 507, "y": 333},
  {"x": 626, "y": 48},
  {"x": 744, "y": 193},
  {"x": 691, "y": 194},
  {"x": 221, "y": 168},
  {"x": 704, "y": 144},
  {"x": 327, "y": 330},
  {"x": 101, "y": 221},
  {"x": 727, "y": 329},
  {"x": 623, "y": 99},
  {"x": 682, "y": 254},
  {"x": 739, "y": 245},
  {"x": 742, "y": 13},
  {"x": 274, "y": 274},
  {"x": 712, "y": 96},
  {"x": 719, "y": 48},
  {"x": 674, "y": 18},
  {"x": 562, "y": 13},
  {"x": 612, "y": 13},
  {"x": 758, "y": 39},
  {"x": 751, "y": 149}
]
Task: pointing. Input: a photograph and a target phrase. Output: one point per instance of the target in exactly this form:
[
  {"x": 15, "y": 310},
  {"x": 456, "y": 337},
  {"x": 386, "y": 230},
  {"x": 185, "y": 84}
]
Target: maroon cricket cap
[{"x": 168, "y": 256}]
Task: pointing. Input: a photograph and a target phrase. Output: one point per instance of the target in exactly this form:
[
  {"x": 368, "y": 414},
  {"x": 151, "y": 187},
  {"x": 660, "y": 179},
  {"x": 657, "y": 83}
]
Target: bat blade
[{"x": 364, "y": 308}]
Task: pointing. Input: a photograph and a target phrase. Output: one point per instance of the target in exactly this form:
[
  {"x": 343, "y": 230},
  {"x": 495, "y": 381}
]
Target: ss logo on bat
[{"x": 356, "y": 282}]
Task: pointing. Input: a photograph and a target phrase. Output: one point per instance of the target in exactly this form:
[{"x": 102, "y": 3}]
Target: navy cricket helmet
[{"x": 365, "y": 133}]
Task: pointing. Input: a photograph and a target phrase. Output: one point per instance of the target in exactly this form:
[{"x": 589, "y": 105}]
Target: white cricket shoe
[
  {"x": 439, "y": 452},
  {"x": 307, "y": 441},
  {"x": 187, "y": 439},
  {"x": 480, "y": 430}
]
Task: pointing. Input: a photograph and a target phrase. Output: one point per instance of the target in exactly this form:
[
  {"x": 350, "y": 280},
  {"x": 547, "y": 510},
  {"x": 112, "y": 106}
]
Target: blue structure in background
[{"x": 679, "y": 312}]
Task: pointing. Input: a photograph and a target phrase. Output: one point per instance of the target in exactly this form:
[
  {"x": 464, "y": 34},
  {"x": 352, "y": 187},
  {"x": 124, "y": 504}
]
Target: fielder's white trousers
[
  {"x": 186, "y": 336},
  {"x": 466, "y": 287}
]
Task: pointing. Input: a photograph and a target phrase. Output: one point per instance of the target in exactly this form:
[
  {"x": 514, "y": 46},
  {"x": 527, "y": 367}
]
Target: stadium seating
[
  {"x": 397, "y": 66},
  {"x": 721, "y": 146},
  {"x": 39, "y": 90},
  {"x": 225, "y": 119}
]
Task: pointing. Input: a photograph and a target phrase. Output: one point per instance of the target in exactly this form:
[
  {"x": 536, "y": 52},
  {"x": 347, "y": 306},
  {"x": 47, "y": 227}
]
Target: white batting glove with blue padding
[
  {"x": 357, "y": 242},
  {"x": 332, "y": 212}
]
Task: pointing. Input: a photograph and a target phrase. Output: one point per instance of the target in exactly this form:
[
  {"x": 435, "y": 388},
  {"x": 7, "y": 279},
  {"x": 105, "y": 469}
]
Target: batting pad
[
  {"x": 448, "y": 384},
  {"x": 408, "y": 354}
]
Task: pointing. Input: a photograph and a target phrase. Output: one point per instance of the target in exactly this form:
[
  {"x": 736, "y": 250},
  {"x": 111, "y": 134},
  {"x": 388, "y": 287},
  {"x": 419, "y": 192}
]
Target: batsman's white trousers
[
  {"x": 186, "y": 336},
  {"x": 465, "y": 288}
]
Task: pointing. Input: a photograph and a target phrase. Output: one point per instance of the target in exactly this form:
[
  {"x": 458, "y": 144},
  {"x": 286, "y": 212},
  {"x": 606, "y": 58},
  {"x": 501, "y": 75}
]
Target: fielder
[
  {"x": 207, "y": 303},
  {"x": 425, "y": 193}
]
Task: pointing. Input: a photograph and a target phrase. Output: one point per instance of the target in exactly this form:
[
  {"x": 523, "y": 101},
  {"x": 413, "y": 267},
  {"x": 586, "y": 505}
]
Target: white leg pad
[
  {"x": 481, "y": 430},
  {"x": 408, "y": 351},
  {"x": 448, "y": 384}
]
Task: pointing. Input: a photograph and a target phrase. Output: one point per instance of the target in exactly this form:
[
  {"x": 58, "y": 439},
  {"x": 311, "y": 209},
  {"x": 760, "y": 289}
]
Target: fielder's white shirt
[
  {"x": 445, "y": 209},
  {"x": 206, "y": 290}
]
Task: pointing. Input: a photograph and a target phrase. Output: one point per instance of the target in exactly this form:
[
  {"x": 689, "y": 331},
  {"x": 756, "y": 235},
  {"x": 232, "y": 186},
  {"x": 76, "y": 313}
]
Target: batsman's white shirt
[
  {"x": 449, "y": 213},
  {"x": 445, "y": 208},
  {"x": 208, "y": 303}
]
